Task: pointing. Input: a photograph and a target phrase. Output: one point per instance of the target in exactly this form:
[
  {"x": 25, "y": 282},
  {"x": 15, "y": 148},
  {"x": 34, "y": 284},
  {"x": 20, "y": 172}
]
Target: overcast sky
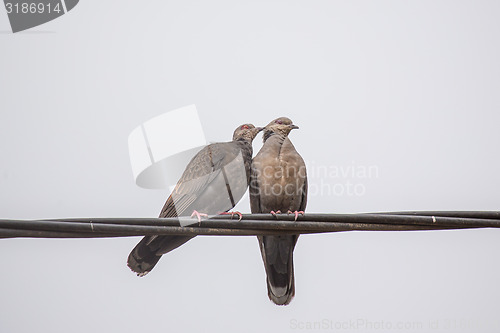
[{"x": 406, "y": 89}]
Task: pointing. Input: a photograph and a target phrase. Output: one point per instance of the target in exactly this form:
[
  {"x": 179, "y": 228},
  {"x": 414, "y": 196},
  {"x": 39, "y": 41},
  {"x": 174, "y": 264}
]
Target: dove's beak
[
  {"x": 292, "y": 126},
  {"x": 259, "y": 129}
]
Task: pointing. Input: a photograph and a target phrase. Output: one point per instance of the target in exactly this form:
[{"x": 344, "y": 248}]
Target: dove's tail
[
  {"x": 277, "y": 253},
  {"x": 148, "y": 252}
]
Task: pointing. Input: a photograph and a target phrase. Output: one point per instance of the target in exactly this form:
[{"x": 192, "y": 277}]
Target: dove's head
[
  {"x": 246, "y": 132},
  {"x": 281, "y": 126}
]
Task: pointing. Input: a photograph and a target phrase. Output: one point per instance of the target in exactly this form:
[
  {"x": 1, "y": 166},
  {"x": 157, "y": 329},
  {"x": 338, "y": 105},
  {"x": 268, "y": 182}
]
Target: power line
[{"x": 250, "y": 224}]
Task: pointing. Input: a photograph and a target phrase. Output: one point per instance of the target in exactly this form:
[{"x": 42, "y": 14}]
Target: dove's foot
[
  {"x": 275, "y": 212},
  {"x": 198, "y": 215},
  {"x": 240, "y": 216},
  {"x": 301, "y": 212}
]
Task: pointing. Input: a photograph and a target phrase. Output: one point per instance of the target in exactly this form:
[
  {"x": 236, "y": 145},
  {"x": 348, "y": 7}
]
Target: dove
[
  {"x": 278, "y": 184},
  {"x": 213, "y": 182}
]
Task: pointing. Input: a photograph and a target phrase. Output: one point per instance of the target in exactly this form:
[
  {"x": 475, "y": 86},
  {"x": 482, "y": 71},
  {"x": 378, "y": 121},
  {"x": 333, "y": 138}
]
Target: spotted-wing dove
[
  {"x": 278, "y": 183},
  {"x": 213, "y": 182}
]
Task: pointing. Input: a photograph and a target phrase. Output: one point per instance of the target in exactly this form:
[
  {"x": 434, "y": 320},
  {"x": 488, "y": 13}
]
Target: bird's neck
[
  {"x": 276, "y": 142},
  {"x": 276, "y": 136},
  {"x": 246, "y": 145}
]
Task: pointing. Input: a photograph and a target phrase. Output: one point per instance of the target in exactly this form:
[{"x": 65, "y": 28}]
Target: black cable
[{"x": 250, "y": 225}]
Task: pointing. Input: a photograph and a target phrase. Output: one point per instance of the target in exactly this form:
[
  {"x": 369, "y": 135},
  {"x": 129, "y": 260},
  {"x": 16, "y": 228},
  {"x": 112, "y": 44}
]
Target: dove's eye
[
  {"x": 244, "y": 127},
  {"x": 278, "y": 122}
]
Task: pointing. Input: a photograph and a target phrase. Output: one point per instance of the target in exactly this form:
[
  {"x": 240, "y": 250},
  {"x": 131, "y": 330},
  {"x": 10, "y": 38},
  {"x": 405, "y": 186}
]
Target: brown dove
[
  {"x": 278, "y": 184},
  {"x": 213, "y": 182}
]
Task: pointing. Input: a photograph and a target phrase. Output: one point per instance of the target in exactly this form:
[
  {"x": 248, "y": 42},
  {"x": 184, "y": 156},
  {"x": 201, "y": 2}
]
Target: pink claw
[
  {"x": 232, "y": 214},
  {"x": 198, "y": 215},
  {"x": 301, "y": 212},
  {"x": 275, "y": 212}
]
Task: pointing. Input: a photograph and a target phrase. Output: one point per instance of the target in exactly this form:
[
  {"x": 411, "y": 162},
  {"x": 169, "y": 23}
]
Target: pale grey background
[{"x": 408, "y": 86}]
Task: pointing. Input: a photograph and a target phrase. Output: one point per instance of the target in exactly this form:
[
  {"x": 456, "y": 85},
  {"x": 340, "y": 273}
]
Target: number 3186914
[{"x": 32, "y": 8}]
